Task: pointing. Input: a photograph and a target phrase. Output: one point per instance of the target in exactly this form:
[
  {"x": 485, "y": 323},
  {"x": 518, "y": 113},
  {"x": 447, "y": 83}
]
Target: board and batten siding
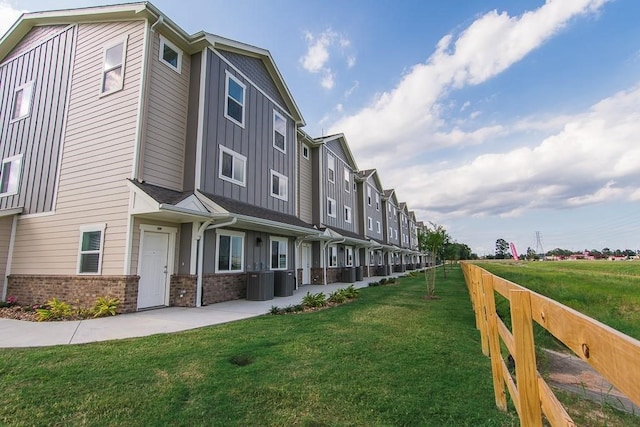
[
  {"x": 6, "y": 223},
  {"x": 254, "y": 141},
  {"x": 37, "y": 137},
  {"x": 166, "y": 125},
  {"x": 305, "y": 186},
  {"x": 371, "y": 211},
  {"x": 97, "y": 159},
  {"x": 337, "y": 192},
  {"x": 36, "y": 36}
]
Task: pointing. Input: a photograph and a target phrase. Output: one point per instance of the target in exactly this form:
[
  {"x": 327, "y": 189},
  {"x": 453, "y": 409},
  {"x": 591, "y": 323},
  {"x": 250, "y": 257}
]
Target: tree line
[{"x": 503, "y": 251}]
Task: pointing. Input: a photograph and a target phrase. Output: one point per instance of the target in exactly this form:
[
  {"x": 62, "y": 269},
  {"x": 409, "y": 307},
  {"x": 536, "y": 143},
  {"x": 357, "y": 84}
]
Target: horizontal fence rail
[{"x": 613, "y": 354}]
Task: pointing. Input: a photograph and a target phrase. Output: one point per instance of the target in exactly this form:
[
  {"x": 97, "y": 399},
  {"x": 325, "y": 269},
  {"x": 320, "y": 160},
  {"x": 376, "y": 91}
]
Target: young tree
[
  {"x": 433, "y": 241},
  {"x": 502, "y": 249}
]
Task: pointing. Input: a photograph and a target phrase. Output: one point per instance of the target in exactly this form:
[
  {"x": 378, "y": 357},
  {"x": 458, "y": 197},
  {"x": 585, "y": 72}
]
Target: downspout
[
  {"x": 158, "y": 22},
  {"x": 205, "y": 226}
]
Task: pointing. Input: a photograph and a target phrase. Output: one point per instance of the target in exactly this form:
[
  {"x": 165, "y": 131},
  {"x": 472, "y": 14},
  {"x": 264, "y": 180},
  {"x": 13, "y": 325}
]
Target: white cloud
[
  {"x": 320, "y": 49},
  {"x": 8, "y": 16},
  {"x": 411, "y": 111}
]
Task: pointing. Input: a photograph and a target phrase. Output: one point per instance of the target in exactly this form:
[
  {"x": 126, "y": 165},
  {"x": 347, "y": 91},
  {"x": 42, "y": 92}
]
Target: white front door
[
  {"x": 305, "y": 263},
  {"x": 153, "y": 269}
]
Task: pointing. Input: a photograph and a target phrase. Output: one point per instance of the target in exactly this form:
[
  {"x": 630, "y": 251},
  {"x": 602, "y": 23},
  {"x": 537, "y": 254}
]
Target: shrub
[
  {"x": 54, "y": 310},
  {"x": 105, "y": 306},
  {"x": 350, "y": 292},
  {"x": 374, "y": 284},
  {"x": 275, "y": 310},
  {"x": 337, "y": 297},
  {"x": 314, "y": 300}
]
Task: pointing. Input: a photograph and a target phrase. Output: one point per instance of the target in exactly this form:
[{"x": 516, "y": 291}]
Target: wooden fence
[{"x": 613, "y": 354}]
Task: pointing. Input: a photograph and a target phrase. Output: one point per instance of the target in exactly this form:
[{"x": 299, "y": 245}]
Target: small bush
[
  {"x": 350, "y": 292},
  {"x": 105, "y": 306},
  {"x": 275, "y": 310},
  {"x": 337, "y": 297},
  {"x": 314, "y": 300},
  {"x": 374, "y": 284}
]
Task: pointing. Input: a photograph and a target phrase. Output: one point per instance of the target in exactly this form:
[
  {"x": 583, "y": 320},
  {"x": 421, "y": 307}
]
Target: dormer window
[{"x": 234, "y": 106}]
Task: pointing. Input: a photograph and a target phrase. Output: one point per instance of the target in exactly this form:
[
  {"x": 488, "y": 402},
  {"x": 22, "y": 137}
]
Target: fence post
[
  {"x": 494, "y": 342},
  {"x": 525, "y": 357},
  {"x": 482, "y": 313}
]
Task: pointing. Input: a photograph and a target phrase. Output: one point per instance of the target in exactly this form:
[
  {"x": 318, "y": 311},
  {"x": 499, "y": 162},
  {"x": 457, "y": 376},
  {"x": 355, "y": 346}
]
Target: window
[
  {"x": 230, "y": 250},
  {"x": 234, "y": 107},
  {"x": 331, "y": 168},
  {"x": 390, "y": 233},
  {"x": 170, "y": 55},
  {"x": 348, "y": 256},
  {"x": 372, "y": 258},
  {"x": 395, "y": 234},
  {"x": 378, "y": 228},
  {"x": 279, "y": 132},
  {"x": 279, "y": 253},
  {"x": 331, "y": 207},
  {"x": 91, "y": 244},
  {"x": 305, "y": 151},
  {"x": 347, "y": 180},
  {"x": 333, "y": 256},
  {"x": 377, "y": 202},
  {"x": 279, "y": 185},
  {"x": 369, "y": 196},
  {"x": 370, "y": 223},
  {"x": 347, "y": 214},
  {"x": 389, "y": 208},
  {"x": 10, "y": 175},
  {"x": 395, "y": 213},
  {"x": 113, "y": 67},
  {"x": 22, "y": 101},
  {"x": 232, "y": 166}
]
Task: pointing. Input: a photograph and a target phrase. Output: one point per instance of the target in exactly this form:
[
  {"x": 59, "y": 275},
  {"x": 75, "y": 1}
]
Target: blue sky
[{"x": 496, "y": 119}]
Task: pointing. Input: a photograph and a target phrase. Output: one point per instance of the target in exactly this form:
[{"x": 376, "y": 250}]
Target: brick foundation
[
  {"x": 223, "y": 287},
  {"x": 333, "y": 275},
  {"x": 79, "y": 291},
  {"x": 183, "y": 290}
]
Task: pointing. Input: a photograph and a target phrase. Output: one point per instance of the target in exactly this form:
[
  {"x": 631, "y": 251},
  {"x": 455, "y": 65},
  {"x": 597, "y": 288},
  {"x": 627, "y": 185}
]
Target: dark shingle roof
[
  {"x": 345, "y": 233},
  {"x": 161, "y": 194}
]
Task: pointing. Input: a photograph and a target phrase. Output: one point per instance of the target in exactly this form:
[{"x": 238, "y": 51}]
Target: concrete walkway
[{"x": 19, "y": 333}]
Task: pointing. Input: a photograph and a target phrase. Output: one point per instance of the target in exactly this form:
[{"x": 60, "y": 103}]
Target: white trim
[
  {"x": 378, "y": 227},
  {"x": 234, "y": 155},
  {"x": 332, "y": 168},
  {"x": 229, "y": 76},
  {"x": 176, "y": 49},
  {"x": 368, "y": 195},
  {"x": 286, "y": 252},
  {"x": 137, "y": 147},
  {"x": 305, "y": 146},
  {"x": 348, "y": 249},
  {"x": 7, "y": 272},
  {"x": 124, "y": 40},
  {"x": 248, "y": 80},
  {"x": 281, "y": 178},
  {"x": 193, "y": 258},
  {"x": 200, "y": 130},
  {"x": 331, "y": 248},
  {"x": 348, "y": 217},
  {"x": 87, "y": 229},
  {"x": 370, "y": 223},
  {"x": 23, "y": 88},
  {"x": 347, "y": 179},
  {"x": 377, "y": 201},
  {"x": 331, "y": 201},
  {"x": 230, "y": 233},
  {"x": 276, "y": 115},
  {"x": 37, "y": 215},
  {"x": 172, "y": 232},
  {"x": 128, "y": 237},
  {"x": 12, "y": 160}
]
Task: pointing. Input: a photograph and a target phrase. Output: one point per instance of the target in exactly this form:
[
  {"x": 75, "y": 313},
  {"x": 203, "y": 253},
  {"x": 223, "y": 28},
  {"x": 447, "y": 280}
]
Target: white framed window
[
  {"x": 368, "y": 195},
  {"x": 232, "y": 166},
  {"x": 279, "y": 249},
  {"x": 377, "y": 202},
  {"x": 372, "y": 258},
  {"x": 279, "y": 132},
  {"x": 348, "y": 256},
  {"x": 170, "y": 55},
  {"x": 347, "y": 180},
  {"x": 10, "y": 175},
  {"x": 370, "y": 223},
  {"x": 347, "y": 214},
  {"x": 90, "y": 249},
  {"x": 331, "y": 168},
  {"x": 390, "y": 233},
  {"x": 235, "y": 95},
  {"x": 279, "y": 185},
  {"x": 389, "y": 208},
  {"x": 378, "y": 227},
  {"x": 305, "y": 151},
  {"x": 331, "y": 207},
  {"x": 22, "y": 97},
  {"x": 333, "y": 256},
  {"x": 395, "y": 213},
  {"x": 230, "y": 251},
  {"x": 395, "y": 234},
  {"x": 113, "y": 61}
]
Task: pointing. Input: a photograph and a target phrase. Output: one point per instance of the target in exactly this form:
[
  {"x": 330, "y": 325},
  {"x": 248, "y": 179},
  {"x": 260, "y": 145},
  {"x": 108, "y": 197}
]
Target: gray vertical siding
[
  {"x": 35, "y": 37},
  {"x": 337, "y": 192},
  {"x": 37, "y": 137},
  {"x": 254, "y": 141},
  {"x": 188, "y": 182},
  {"x": 370, "y": 211},
  {"x": 391, "y": 221},
  {"x": 255, "y": 70}
]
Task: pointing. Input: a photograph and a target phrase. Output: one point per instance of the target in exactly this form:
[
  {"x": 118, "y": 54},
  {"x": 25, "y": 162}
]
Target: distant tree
[
  {"x": 629, "y": 253},
  {"x": 606, "y": 252},
  {"x": 595, "y": 253},
  {"x": 502, "y": 249},
  {"x": 531, "y": 254},
  {"x": 433, "y": 240}
]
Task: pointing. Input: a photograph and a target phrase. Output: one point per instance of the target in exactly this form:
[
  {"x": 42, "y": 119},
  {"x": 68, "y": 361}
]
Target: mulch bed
[{"x": 18, "y": 313}]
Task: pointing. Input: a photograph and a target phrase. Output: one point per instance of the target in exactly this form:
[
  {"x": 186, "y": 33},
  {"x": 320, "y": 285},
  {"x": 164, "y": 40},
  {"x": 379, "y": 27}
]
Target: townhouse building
[{"x": 165, "y": 168}]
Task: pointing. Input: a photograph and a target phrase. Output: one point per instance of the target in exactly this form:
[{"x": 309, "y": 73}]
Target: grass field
[
  {"x": 608, "y": 291},
  {"x": 388, "y": 358}
]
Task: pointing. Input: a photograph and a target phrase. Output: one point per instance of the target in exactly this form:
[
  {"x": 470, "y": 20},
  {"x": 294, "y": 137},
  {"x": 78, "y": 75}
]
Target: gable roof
[
  {"x": 344, "y": 145},
  {"x": 391, "y": 195},
  {"x": 160, "y": 22},
  {"x": 372, "y": 173}
]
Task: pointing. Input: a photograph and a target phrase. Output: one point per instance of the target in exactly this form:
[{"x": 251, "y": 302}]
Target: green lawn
[{"x": 388, "y": 358}]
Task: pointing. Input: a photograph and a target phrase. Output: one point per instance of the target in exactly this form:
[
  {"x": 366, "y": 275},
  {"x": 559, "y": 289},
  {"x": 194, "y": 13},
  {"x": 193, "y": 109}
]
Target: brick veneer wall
[
  {"x": 317, "y": 276},
  {"x": 76, "y": 290},
  {"x": 182, "y": 291},
  {"x": 223, "y": 287}
]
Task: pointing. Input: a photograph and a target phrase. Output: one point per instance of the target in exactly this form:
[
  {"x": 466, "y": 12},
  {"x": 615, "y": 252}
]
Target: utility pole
[{"x": 539, "y": 249}]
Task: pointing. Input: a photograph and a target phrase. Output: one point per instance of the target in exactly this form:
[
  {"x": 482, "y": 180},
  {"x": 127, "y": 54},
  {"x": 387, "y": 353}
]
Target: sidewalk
[{"x": 17, "y": 333}]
